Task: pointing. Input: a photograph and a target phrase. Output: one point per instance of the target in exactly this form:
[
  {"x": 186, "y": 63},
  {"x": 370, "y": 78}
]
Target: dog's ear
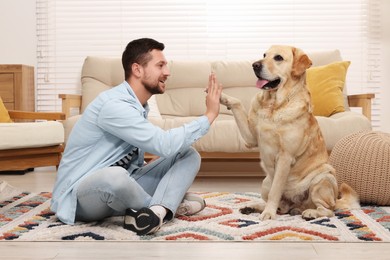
[{"x": 301, "y": 62}]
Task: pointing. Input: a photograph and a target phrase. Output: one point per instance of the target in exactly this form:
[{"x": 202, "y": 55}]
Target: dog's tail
[{"x": 348, "y": 198}]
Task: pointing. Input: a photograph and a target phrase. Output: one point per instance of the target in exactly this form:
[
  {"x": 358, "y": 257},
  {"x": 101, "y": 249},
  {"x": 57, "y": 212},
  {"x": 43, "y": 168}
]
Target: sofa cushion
[
  {"x": 337, "y": 126},
  {"x": 69, "y": 124},
  {"x": 4, "y": 116},
  {"x": 320, "y": 58},
  {"x": 185, "y": 96},
  {"x": 99, "y": 74},
  {"x": 223, "y": 136},
  {"x": 154, "y": 111},
  {"x": 326, "y": 84},
  {"x": 40, "y": 134}
]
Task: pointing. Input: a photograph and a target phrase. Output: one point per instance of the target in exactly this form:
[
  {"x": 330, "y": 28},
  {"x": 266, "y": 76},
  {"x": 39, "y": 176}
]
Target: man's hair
[{"x": 138, "y": 51}]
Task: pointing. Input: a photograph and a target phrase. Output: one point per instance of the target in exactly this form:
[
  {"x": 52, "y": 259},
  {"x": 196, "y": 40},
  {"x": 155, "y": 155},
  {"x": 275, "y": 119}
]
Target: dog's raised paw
[
  {"x": 224, "y": 100},
  {"x": 228, "y": 101},
  {"x": 247, "y": 210}
]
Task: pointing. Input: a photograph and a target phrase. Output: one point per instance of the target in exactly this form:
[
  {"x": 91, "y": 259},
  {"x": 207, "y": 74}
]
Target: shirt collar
[{"x": 145, "y": 109}]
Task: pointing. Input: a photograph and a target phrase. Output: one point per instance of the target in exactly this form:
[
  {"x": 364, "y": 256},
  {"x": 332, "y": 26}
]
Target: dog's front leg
[
  {"x": 241, "y": 118},
  {"x": 282, "y": 170}
]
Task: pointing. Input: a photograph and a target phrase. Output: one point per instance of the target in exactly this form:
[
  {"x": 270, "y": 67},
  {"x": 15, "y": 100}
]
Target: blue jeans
[{"x": 110, "y": 191}]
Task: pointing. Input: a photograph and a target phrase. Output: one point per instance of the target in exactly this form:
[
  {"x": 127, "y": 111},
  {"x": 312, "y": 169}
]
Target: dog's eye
[
  {"x": 278, "y": 58},
  {"x": 264, "y": 55}
]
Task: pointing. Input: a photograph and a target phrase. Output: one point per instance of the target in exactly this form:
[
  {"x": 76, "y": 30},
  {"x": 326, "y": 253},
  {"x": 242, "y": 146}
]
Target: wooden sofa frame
[
  {"x": 222, "y": 164},
  {"x": 26, "y": 158}
]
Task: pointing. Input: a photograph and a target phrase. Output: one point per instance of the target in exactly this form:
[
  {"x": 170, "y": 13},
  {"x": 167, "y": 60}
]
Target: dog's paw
[
  {"x": 267, "y": 215},
  {"x": 309, "y": 214},
  {"x": 320, "y": 212},
  {"x": 228, "y": 101},
  {"x": 224, "y": 100},
  {"x": 247, "y": 210}
]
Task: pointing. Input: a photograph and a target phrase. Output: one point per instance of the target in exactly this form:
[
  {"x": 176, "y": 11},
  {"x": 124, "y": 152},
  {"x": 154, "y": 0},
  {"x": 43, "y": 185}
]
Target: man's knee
[
  {"x": 193, "y": 154},
  {"x": 192, "y": 160},
  {"x": 117, "y": 180}
]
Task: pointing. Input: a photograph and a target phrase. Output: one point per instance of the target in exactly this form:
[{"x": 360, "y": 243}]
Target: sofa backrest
[
  {"x": 99, "y": 74},
  {"x": 185, "y": 94},
  {"x": 185, "y": 87}
]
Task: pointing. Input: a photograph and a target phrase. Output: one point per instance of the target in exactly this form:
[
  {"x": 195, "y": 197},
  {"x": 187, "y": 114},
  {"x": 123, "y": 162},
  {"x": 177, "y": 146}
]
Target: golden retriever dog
[{"x": 293, "y": 154}]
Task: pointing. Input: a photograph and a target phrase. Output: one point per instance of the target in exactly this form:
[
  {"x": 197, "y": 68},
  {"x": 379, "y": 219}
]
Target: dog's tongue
[{"x": 261, "y": 82}]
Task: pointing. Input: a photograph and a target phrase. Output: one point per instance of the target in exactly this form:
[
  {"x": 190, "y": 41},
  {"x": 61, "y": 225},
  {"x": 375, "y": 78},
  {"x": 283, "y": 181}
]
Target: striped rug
[{"x": 27, "y": 217}]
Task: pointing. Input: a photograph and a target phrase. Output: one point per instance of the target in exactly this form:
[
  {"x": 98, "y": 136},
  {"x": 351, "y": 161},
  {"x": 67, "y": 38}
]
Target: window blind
[{"x": 70, "y": 30}]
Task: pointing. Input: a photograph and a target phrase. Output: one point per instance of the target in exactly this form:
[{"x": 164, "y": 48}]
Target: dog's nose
[{"x": 257, "y": 66}]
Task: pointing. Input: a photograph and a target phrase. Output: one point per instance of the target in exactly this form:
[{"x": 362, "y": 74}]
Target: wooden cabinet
[{"x": 17, "y": 87}]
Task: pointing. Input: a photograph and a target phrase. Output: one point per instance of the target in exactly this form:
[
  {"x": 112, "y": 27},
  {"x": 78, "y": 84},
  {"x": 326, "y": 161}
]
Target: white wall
[
  {"x": 18, "y": 42},
  {"x": 18, "y": 32}
]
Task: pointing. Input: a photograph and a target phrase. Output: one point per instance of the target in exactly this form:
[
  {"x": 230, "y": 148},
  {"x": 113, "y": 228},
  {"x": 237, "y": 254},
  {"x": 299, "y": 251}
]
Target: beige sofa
[
  {"x": 26, "y": 145},
  {"x": 223, "y": 150}
]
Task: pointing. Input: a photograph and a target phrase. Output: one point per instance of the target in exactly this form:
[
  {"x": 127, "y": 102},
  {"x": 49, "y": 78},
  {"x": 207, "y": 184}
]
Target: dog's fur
[{"x": 293, "y": 154}]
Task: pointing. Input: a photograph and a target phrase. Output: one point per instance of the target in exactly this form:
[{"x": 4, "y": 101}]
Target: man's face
[{"x": 155, "y": 73}]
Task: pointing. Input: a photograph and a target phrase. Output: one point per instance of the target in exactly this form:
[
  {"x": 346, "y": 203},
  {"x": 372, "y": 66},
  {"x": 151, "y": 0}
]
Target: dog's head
[{"x": 280, "y": 64}]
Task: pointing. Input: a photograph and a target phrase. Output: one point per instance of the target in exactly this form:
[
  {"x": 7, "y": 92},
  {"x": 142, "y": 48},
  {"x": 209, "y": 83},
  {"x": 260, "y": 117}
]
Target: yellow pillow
[
  {"x": 4, "y": 116},
  {"x": 326, "y": 84}
]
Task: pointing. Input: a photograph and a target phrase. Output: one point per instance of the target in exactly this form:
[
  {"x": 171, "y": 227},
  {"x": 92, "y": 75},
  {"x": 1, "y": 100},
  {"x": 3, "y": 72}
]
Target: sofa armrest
[
  {"x": 70, "y": 103},
  {"x": 27, "y": 115},
  {"x": 363, "y": 101}
]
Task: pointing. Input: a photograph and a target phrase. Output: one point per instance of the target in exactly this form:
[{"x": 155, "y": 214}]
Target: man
[{"x": 102, "y": 171}]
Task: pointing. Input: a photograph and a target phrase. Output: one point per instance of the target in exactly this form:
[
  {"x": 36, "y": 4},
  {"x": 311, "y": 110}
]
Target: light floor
[{"x": 42, "y": 179}]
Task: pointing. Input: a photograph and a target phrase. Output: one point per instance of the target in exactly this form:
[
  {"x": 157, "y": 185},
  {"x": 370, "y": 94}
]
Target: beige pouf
[{"x": 362, "y": 160}]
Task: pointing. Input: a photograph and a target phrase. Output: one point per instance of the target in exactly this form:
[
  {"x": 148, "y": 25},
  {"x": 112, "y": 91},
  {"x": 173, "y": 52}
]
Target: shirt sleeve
[{"x": 125, "y": 119}]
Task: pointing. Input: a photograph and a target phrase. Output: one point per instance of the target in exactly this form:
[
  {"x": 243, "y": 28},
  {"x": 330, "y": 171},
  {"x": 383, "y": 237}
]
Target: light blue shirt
[{"x": 110, "y": 127}]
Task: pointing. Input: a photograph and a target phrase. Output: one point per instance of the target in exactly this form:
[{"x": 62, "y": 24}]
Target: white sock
[{"x": 160, "y": 211}]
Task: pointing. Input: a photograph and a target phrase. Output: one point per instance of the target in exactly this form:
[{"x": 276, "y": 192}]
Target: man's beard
[{"x": 153, "y": 89}]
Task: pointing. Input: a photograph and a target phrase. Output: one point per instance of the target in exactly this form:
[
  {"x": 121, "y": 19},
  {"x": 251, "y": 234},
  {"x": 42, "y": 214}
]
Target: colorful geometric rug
[{"x": 27, "y": 217}]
